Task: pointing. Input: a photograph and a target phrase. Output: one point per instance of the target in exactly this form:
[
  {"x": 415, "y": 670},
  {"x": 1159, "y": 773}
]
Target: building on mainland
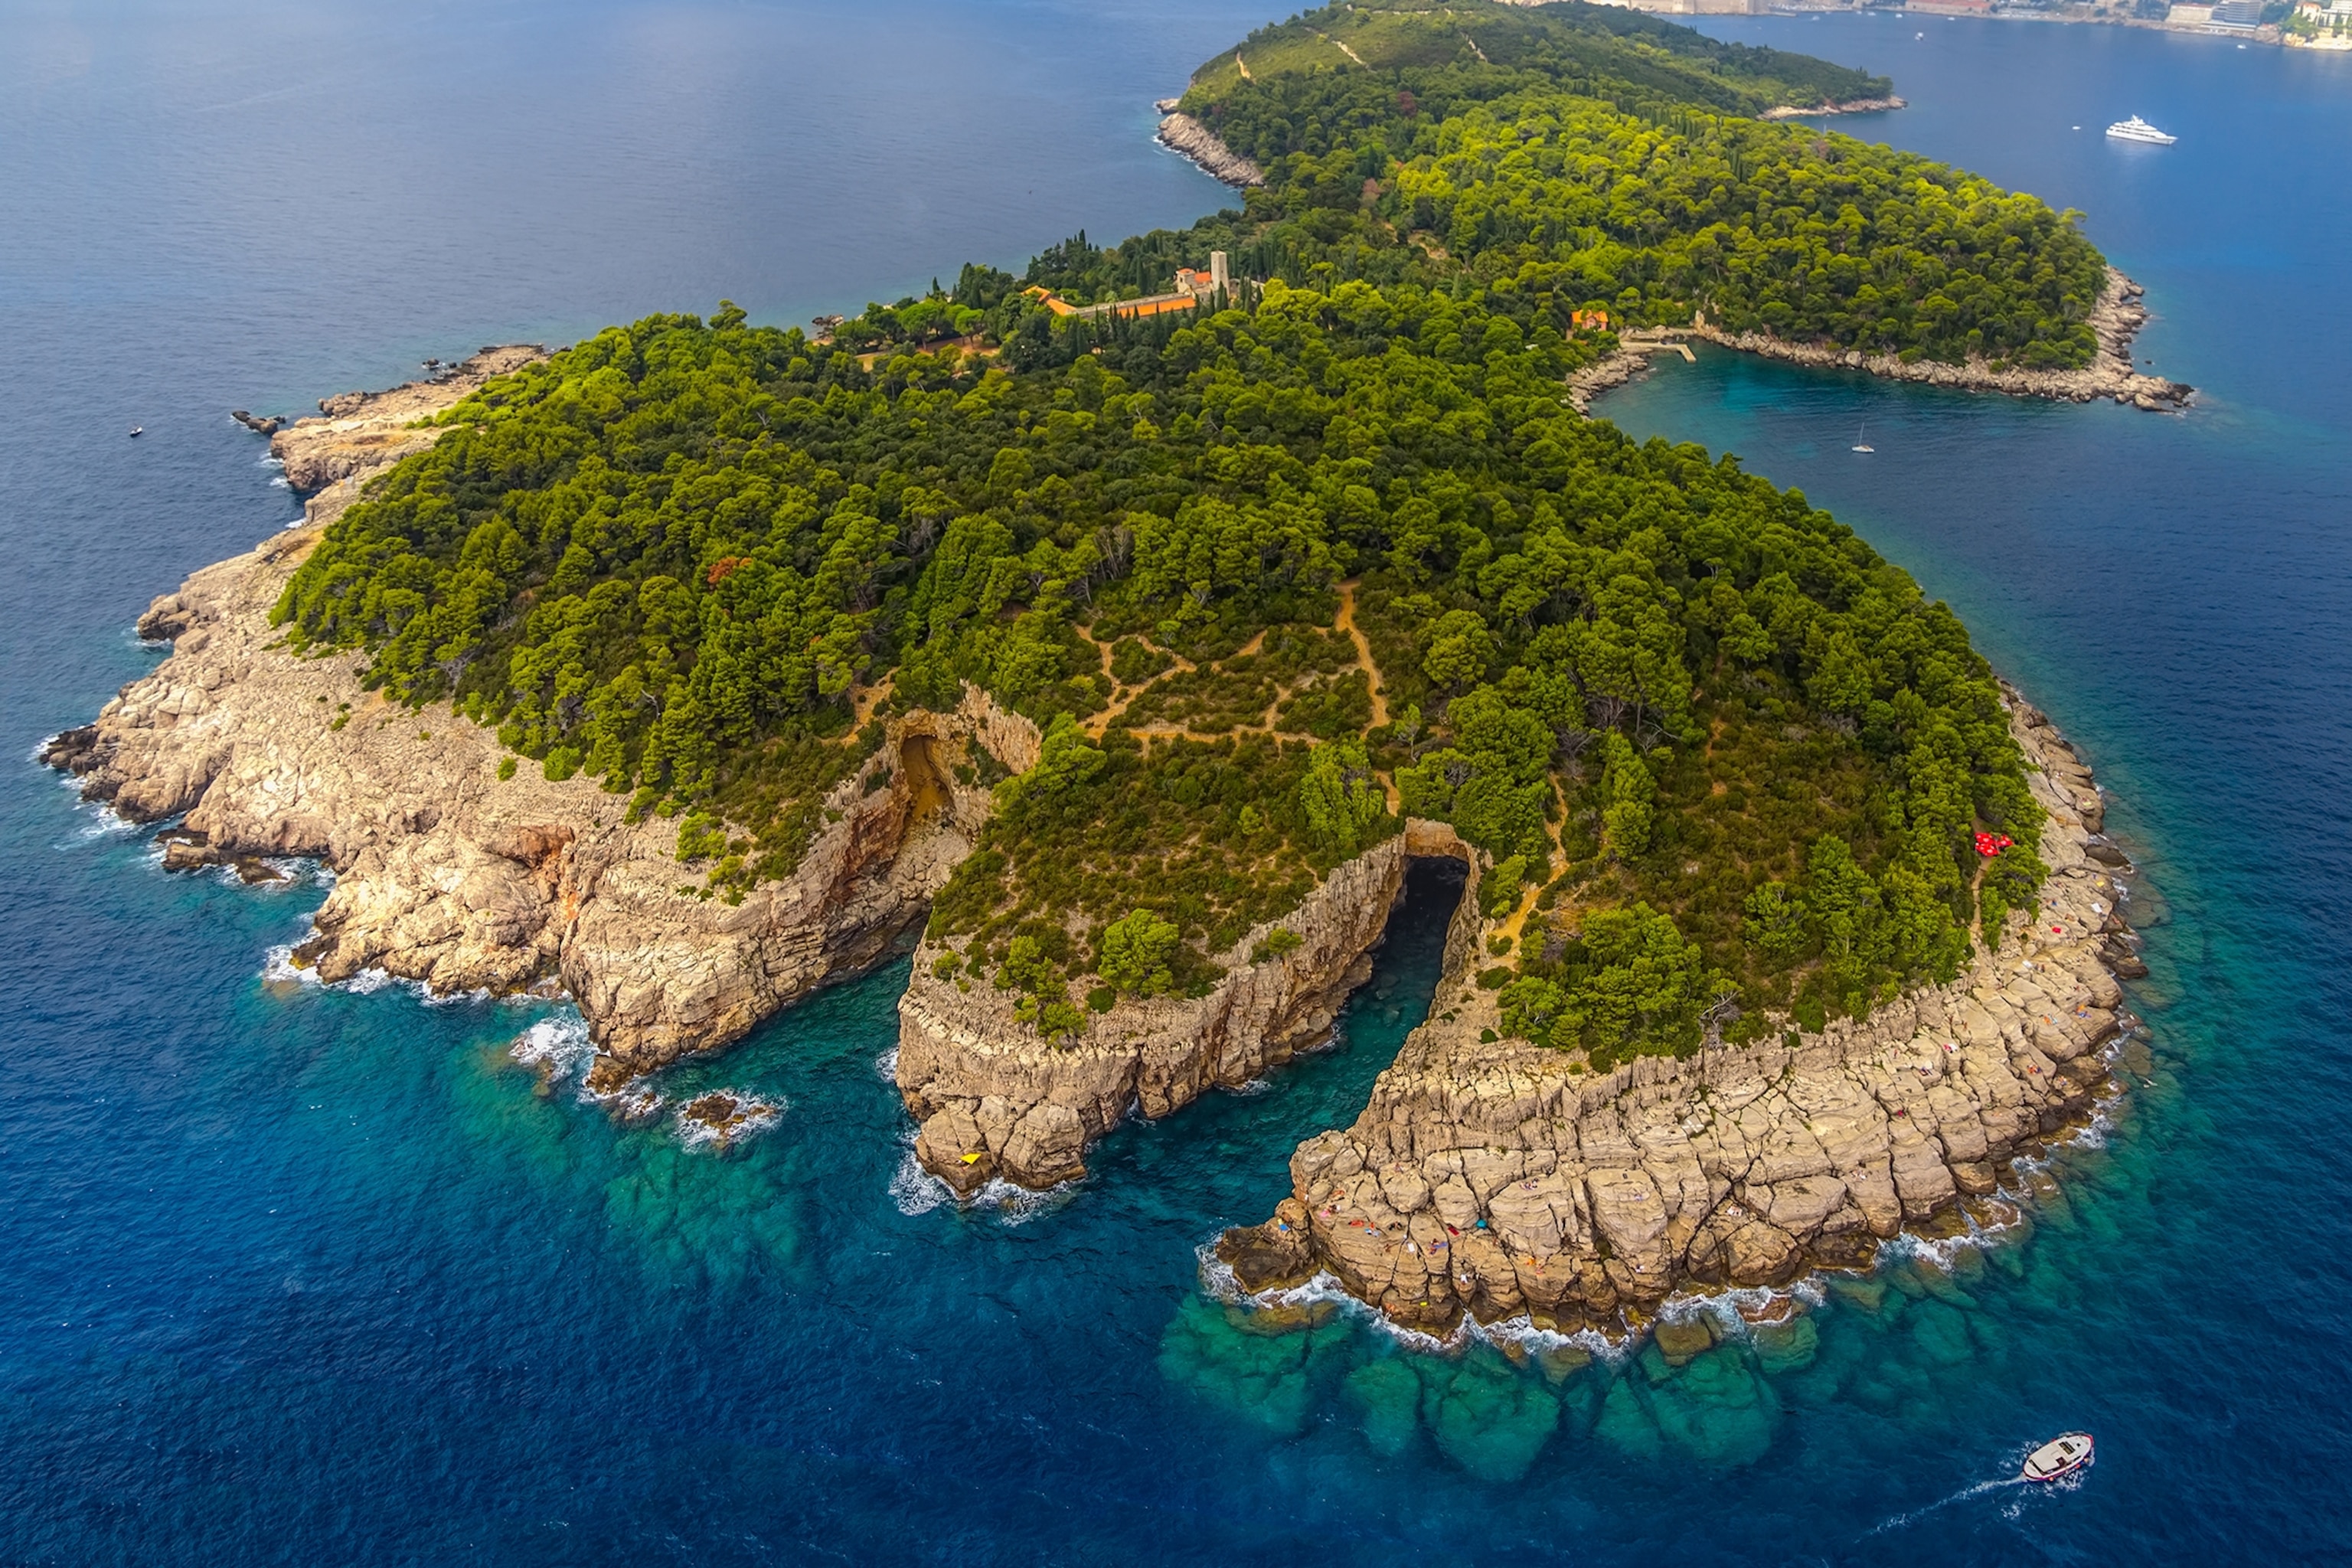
[
  {"x": 2220, "y": 16},
  {"x": 1695, "y": 8},
  {"x": 2321, "y": 25}
]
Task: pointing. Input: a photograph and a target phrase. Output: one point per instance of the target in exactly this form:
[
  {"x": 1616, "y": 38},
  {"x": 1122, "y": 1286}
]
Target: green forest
[{"x": 1726, "y": 760}]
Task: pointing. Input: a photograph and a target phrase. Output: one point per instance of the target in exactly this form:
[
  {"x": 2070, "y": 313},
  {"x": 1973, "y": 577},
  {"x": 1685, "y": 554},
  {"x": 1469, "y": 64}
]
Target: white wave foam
[
  {"x": 1522, "y": 1331},
  {"x": 278, "y": 968},
  {"x": 1015, "y": 1206},
  {"x": 1942, "y": 1250},
  {"x": 1217, "y": 1280},
  {"x": 915, "y": 1191},
  {"x": 101, "y": 821},
  {"x": 634, "y": 1102},
  {"x": 886, "y": 1064},
  {"x": 558, "y": 1043}
]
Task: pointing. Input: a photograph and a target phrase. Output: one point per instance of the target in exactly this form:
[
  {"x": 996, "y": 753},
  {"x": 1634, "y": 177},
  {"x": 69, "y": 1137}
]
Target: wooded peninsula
[{"x": 1734, "y": 757}]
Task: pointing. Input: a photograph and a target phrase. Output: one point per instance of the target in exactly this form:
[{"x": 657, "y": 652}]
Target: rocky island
[{"x": 1118, "y": 672}]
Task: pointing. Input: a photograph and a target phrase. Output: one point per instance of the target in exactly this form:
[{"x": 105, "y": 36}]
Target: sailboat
[{"x": 1859, "y": 444}]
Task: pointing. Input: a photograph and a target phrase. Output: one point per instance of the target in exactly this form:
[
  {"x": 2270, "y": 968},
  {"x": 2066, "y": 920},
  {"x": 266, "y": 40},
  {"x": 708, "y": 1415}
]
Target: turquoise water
[{"x": 325, "y": 1276}]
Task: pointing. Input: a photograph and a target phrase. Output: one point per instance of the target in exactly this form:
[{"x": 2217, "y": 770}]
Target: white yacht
[{"x": 2139, "y": 130}]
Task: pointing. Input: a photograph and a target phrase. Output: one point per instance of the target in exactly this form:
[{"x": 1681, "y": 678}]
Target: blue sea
[{"x": 305, "y": 1276}]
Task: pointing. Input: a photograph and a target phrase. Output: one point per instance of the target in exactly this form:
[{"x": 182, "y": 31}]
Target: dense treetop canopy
[
  {"x": 1270, "y": 575},
  {"x": 1599, "y": 50}
]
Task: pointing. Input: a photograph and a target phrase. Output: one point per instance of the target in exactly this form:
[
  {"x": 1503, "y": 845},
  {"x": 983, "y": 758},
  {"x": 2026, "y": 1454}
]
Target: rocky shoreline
[
  {"x": 2117, "y": 317},
  {"x": 1183, "y": 134},
  {"x": 356, "y": 434},
  {"x": 1492, "y": 1179},
  {"x": 1851, "y": 106},
  {"x": 1486, "y": 1178},
  {"x": 452, "y": 876}
]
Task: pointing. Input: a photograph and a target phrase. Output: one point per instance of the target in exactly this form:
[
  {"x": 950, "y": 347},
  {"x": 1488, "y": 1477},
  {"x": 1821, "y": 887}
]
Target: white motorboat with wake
[{"x": 2060, "y": 1457}]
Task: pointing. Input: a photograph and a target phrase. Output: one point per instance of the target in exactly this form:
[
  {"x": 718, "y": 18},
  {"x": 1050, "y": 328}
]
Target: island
[{"x": 1116, "y": 663}]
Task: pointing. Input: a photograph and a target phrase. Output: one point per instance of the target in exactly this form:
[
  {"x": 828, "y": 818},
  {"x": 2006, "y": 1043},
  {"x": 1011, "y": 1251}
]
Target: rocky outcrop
[
  {"x": 359, "y": 433},
  {"x": 1183, "y": 134},
  {"x": 2117, "y": 319},
  {"x": 1492, "y": 1177},
  {"x": 996, "y": 1100},
  {"x": 1851, "y": 106},
  {"x": 452, "y": 876}
]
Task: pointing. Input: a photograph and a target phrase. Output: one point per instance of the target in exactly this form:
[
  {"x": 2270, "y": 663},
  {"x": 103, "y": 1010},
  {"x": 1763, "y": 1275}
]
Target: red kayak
[{"x": 2061, "y": 1456}]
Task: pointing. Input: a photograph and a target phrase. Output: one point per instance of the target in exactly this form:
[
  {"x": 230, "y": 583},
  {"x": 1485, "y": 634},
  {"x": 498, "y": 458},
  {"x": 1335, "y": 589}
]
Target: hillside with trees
[{"x": 1270, "y": 576}]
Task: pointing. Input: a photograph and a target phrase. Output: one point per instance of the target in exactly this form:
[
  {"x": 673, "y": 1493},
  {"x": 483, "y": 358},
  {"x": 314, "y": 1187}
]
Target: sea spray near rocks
[{"x": 558, "y": 1044}]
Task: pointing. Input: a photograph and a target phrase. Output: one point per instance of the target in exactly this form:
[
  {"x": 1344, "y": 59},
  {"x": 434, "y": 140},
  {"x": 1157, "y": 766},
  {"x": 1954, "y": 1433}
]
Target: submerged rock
[
  {"x": 1484, "y": 1416},
  {"x": 1273, "y": 1380},
  {"x": 1387, "y": 1395},
  {"x": 723, "y": 1117}
]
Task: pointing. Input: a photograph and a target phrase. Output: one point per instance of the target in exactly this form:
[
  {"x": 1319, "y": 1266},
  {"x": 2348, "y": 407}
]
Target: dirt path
[
  {"x": 1347, "y": 622},
  {"x": 1243, "y": 66},
  {"x": 1344, "y": 48},
  {"x": 1100, "y": 725},
  {"x": 1096, "y": 727}
]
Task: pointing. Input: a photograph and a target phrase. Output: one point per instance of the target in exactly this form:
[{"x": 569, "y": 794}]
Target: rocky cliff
[
  {"x": 450, "y": 875},
  {"x": 360, "y": 433},
  {"x": 1492, "y": 1177},
  {"x": 1183, "y": 134},
  {"x": 994, "y": 1100}
]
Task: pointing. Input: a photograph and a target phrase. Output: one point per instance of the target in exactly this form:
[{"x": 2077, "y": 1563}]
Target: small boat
[
  {"x": 1859, "y": 444},
  {"x": 2139, "y": 130},
  {"x": 139, "y": 429},
  {"x": 2062, "y": 1456}
]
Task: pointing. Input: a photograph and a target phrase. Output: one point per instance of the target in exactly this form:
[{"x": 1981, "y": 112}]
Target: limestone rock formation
[
  {"x": 1490, "y": 1176},
  {"x": 996, "y": 1099},
  {"x": 1184, "y": 134},
  {"x": 359, "y": 433},
  {"x": 449, "y": 874}
]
